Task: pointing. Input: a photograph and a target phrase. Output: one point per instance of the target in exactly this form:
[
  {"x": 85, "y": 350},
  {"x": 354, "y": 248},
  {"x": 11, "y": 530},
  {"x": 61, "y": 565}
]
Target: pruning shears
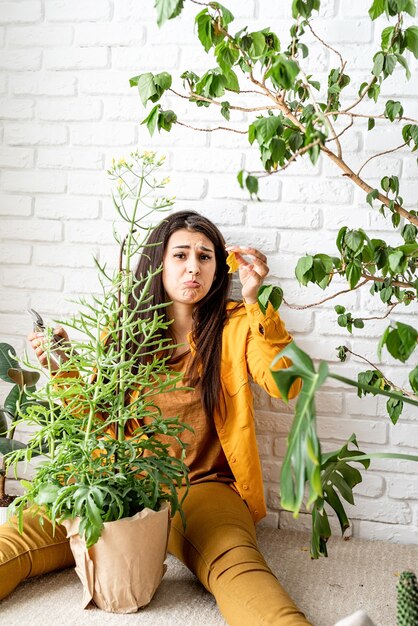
[{"x": 57, "y": 342}]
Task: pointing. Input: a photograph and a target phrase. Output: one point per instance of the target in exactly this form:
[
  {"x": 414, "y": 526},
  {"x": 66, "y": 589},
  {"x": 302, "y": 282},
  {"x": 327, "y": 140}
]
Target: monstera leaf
[
  {"x": 302, "y": 461},
  {"x": 338, "y": 479},
  {"x": 308, "y": 474}
]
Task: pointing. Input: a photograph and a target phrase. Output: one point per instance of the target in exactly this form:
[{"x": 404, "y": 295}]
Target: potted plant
[
  {"x": 18, "y": 399},
  {"x": 108, "y": 475}
]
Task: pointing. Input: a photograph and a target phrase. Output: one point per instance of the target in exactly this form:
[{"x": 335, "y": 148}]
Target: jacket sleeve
[{"x": 267, "y": 336}]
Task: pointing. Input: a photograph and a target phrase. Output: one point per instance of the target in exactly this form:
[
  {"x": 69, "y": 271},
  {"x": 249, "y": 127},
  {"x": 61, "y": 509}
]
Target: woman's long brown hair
[{"x": 209, "y": 315}]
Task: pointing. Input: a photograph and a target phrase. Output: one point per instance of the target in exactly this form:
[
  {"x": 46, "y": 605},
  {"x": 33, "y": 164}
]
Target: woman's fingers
[
  {"x": 38, "y": 342},
  {"x": 258, "y": 259},
  {"x": 61, "y": 332}
]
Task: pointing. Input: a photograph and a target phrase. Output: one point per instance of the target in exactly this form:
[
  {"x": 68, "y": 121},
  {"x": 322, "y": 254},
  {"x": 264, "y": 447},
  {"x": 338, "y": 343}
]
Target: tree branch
[
  {"x": 309, "y": 306},
  {"x": 196, "y": 96},
  {"x": 342, "y": 62},
  {"x": 211, "y": 130},
  {"x": 380, "y": 154},
  {"x": 408, "y": 394},
  {"x": 396, "y": 283}
]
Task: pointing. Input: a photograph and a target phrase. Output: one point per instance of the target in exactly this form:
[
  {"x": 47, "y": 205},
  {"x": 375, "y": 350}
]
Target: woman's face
[{"x": 189, "y": 266}]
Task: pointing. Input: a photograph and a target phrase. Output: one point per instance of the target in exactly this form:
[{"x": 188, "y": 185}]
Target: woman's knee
[{"x": 38, "y": 550}]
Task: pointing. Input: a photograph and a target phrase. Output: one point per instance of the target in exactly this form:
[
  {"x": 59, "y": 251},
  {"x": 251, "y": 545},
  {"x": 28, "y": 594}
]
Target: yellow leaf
[{"x": 232, "y": 263}]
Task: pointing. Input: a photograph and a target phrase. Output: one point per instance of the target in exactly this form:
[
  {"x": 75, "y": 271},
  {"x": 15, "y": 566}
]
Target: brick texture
[{"x": 67, "y": 109}]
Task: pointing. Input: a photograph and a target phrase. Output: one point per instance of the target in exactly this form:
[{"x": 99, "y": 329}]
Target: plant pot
[{"x": 122, "y": 571}]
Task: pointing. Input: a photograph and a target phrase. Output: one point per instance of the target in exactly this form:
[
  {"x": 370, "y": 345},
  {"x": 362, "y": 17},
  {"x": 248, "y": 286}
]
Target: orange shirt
[
  {"x": 205, "y": 457},
  {"x": 250, "y": 342}
]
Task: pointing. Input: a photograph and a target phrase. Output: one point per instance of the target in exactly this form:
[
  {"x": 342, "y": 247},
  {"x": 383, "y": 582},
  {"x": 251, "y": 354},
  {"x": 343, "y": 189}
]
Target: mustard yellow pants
[{"x": 218, "y": 545}]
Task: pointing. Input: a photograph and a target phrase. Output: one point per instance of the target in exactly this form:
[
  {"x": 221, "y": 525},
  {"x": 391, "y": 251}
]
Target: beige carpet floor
[{"x": 357, "y": 574}]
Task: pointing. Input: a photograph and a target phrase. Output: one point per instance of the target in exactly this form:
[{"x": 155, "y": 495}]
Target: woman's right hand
[{"x": 46, "y": 358}]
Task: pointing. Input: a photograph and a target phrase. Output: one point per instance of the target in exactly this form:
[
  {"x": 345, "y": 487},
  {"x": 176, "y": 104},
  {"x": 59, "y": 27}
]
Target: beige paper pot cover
[{"x": 122, "y": 571}]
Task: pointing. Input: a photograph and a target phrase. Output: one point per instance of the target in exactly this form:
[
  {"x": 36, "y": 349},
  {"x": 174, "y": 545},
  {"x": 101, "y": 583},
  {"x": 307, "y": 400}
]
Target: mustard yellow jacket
[{"x": 250, "y": 342}]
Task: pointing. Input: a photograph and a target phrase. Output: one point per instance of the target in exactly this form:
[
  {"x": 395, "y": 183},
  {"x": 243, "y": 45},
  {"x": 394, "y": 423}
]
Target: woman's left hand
[{"x": 251, "y": 273}]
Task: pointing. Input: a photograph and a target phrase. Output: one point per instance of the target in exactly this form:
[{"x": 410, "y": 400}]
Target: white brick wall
[{"x": 67, "y": 108}]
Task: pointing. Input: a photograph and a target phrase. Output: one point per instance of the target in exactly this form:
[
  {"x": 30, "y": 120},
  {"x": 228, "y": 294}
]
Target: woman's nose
[{"x": 193, "y": 267}]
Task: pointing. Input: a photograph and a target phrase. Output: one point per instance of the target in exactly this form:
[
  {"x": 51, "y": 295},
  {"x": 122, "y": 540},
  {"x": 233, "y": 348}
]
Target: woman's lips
[{"x": 192, "y": 283}]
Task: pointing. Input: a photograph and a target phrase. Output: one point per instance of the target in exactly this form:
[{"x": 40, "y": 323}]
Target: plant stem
[
  {"x": 373, "y": 390},
  {"x": 126, "y": 285}
]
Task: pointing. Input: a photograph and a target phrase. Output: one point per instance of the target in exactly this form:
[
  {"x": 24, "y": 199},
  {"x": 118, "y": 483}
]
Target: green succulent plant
[{"x": 407, "y": 604}]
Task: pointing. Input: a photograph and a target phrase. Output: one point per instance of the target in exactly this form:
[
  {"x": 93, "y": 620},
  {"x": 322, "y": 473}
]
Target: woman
[{"x": 218, "y": 345}]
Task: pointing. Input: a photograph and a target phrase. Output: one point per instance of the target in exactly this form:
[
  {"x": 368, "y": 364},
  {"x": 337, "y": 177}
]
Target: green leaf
[
  {"x": 404, "y": 63},
  {"x": 400, "y": 341},
  {"x": 394, "y": 409},
  {"x": 382, "y": 342},
  {"x": 225, "y": 111},
  {"x": 411, "y": 40},
  {"x": 227, "y": 16},
  {"x": 379, "y": 61},
  {"x": 264, "y": 128},
  {"x": 47, "y": 494},
  {"x": 395, "y": 261},
  {"x": 251, "y": 183},
  {"x": 378, "y": 7},
  {"x": 23, "y": 377},
  {"x": 146, "y": 86},
  {"x": 255, "y": 44},
  {"x": 323, "y": 266},
  {"x": 283, "y": 72},
  {"x": 304, "y": 8},
  {"x": 166, "y": 119},
  {"x": 387, "y": 34},
  {"x": 303, "y": 455},
  {"x": 339, "y": 309},
  {"x": 152, "y": 119},
  {"x": 302, "y": 270},
  {"x": 269, "y": 293},
  {"x": 204, "y": 29},
  {"x": 240, "y": 176},
  {"x": 163, "y": 80},
  {"x": 8, "y": 360},
  {"x": 353, "y": 273},
  {"x": 409, "y": 233},
  {"x": 354, "y": 240},
  {"x": 4, "y": 417},
  {"x": 413, "y": 379},
  {"x": 371, "y": 123},
  {"x": 342, "y": 320},
  {"x": 167, "y": 10},
  {"x": 390, "y": 64},
  {"x": 13, "y": 398},
  {"x": 393, "y": 109},
  {"x": 9, "y": 445},
  {"x": 226, "y": 55},
  {"x": 232, "y": 83},
  {"x": 372, "y": 195}
]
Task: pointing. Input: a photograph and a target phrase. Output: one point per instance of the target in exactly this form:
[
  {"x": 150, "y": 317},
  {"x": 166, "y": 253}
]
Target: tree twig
[
  {"x": 309, "y": 306},
  {"x": 196, "y": 96},
  {"x": 387, "y": 381},
  {"x": 211, "y": 130},
  {"x": 374, "y": 156},
  {"x": 396, "y": 283},
  {"x": 342, "y": 62}
]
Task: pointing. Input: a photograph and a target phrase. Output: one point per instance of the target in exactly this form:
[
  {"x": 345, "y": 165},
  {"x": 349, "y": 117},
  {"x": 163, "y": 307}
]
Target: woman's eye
[
  {"x": 179, "y": 255},
  {"x": 205, "y": 257}
]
